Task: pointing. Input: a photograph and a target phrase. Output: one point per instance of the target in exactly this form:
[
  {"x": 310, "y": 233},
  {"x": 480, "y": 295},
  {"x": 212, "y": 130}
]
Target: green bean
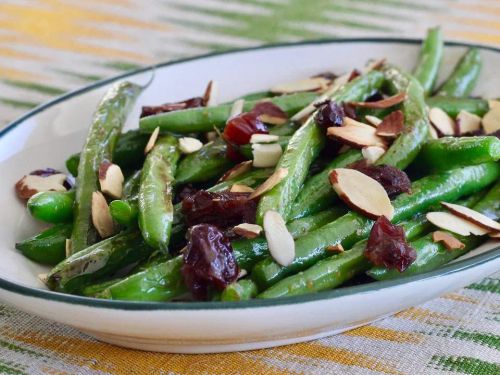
[
  {"x": 464, "y": 77},
  {"x": 352, "y": 227},
  {"x": 204, "y": 119},
  {"x": 317, "y": 193},
  {"x": 99, "y": 146},
  {"x": 102, "y": 259},
  {"x": 490, "y": 204},
  {"x": 125, "y": 211},
  {"x": 284, "y": 130},
  {"x": 94, "y": 290},
  {"x": 52, "y": 206},
  {"x": 72, "y": 164},
  {"x": 430, "y": 59},
  {"x": 47, "y": 247},
  {"x": 247, "y": 152},
  {"x": 406, "y": 147},
  {"x": 257, "y": 95},
  {"x": 451, "y": 152},
  {"x": 452, "y": 106},
  {"x": 204, "y": 165},
  {"x": 239, "y": 291},
  {"x": 156, "y": 211},
  {"x": 305, "y": 145}
]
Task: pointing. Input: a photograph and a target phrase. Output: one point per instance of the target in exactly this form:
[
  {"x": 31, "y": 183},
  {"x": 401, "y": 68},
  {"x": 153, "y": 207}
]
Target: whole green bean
[
  {"x": 204, "y": 119},
  {"x": 257, "y": 95},
  {"x": 100, "y": 143},
  {"x": 451, "y": 152},
  {"x": 416, "y": 131},
  {"x": 305, "y": 145},
  {"x": 464, "y": 77},
  {"x": 430, "y": 59},
  {"x": 94, "y": 290},
  {"x": 102, "y": 259},
  {"x": 156, "y": 211},
  {"x": 352, "y": 227},
  {"x": 72, "y": 164},
  {"x": 125, "y": 211},
  {"x": 452, "y": 106},
  {"x": 47, "y": 247},
  {"x": 239, "y": 291},
  {"x": 52, "y": 206}
]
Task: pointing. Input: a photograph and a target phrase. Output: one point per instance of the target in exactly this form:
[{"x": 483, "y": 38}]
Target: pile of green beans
[{"x": 143, "y": 260}]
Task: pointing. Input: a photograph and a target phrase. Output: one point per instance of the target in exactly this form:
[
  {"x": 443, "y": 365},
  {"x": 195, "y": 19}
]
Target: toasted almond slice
[
  {"x": 362, "y": 193},
  {"x": 337, "y": 248},
  {"x": 111, "y": 179},
  {"x": 473, "y": 216},
  {"x": 279, "y": 240},
  {"x": 271, "y": 182},
  {"x": 101, "y": 218},
  {"x": 248, "y": 230},
  {"x": 264, "y": 138},
  {"x": 374, "y": 65},
  {"x": 211, "y": 136},
  {"x": 467, "y": 122},
  {"x": 493, "y": 103},
  {"x": 237, "y": 170},
  {"x": 270, "y": 113},
  {"x": 442, "y": 121},
  {"x": 211, "y": 94},
  {"x": 450, "y": 242},
  {"x": 491, "y": 120},
  {"x": 237, "y": 107},
  {"x": 266, "y": 155},
  {"x": 382, "y": 104},
  {"x": 392, "y": 125},
  {"x": 239, "y": 188},
  {"x": 242, "y": 273},
  {"x": 43, "y": 277},
  {"x": 152, "y": 140},
  {"x": 455, "y": 224},
  {"x": 68, "y": 247},
  {"x": 373, "y": 120},
  {"x": 372, "y": 153},
  {"x": 356, "y": 134},
  {"x": 188, "y": 145},
  {"x": 495, "y": 236},
  {"x": 309, "y": 84},
  {"x": 432, "y": 132},
  {"x": 29, "y": 185}
]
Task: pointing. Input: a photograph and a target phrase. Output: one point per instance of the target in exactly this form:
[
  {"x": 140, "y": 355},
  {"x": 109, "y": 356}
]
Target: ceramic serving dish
[{"x": 48, "y": 134}]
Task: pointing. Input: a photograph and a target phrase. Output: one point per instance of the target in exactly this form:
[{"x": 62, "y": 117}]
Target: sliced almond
[
  {"x": 467, "y": 122},
  {"x": 212, "y": 136},
  {"x": 237, "y": 170},
  {"x": 270, "y": 113},
  {"x": 152, "y": 140},
  {"x": 43, "y": 277},
  {"x": 211, "y": 94},
  {"x": 271, "y": 182},
  {"x": 374, "y": 65},
  {"x": 279, "y": 240},
  {"x": 455, "y": 224},
  {"x": 495, "y": 236},
  {"x": 242, "y": 273},
  {"x": 101, "y": 218},
  {"x": 382, "y": 104},
  {"x": 344, "y": 149},
  {"x": 237, "y": 107},
  {"x": 337, "y": 248},
  {"x": 248, "y": 230},
  {"x": 29, "y": 185},
  {"x": 356, "y": 134},
  {"x": 493, "y": 103},
  {"x": 264, "y": 138},
  {"x": 373, "y": 120},
  {"x": 266, "y": 155},
  {"x": 450, "y": 242},
  {"x": 442, "y": 121},
  {"x": 372, "y": 153},
  {"x": 68, "y": 247},
  {"x": 188, "y": 145},
  {"x": 111, "y": 179},
  {"x": 239, "y": 188},
  {"x": 432, "y": 132},
  {"x": 473, "y": 216},
  {"x": 392, "y": 125},
  {"x": 362, "y": 193},
  {"x": 491, "y": 120},
  {"x": 309, "y": 84}
]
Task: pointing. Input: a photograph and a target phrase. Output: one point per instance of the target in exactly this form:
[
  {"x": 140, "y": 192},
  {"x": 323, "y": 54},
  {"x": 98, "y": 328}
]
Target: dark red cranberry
[
  {"x": 239, "y": 129},
  {"x": 329, "y": 114},
  {"x": 394, "y": 180},
  {"x": 224, "y": 209},
  {"x": 170, "y": 107},
  {"x": 354, "y": 74},
  {"x": 208, "y": 261},
  {"x": 387, "y": 246}
]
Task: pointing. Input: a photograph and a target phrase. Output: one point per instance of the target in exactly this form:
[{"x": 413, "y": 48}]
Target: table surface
[{"x": 48, "y": 47}]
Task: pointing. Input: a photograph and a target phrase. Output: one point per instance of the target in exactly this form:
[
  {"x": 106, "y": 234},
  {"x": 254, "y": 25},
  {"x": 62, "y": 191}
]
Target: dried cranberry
[
  {"x": 186, "y": 191},
  {"x": 375, "y": 97},
  {"x": 208, "y": 262},
  {"x": 495, "y": 134},
  {"x": 387, "y": 246},
  {"x": 329, "y": 114},
  {"x": 224, "y": 209},
  {"x": 354, "y": 74},
  {"x": 394, "y": 180},
  {"x": 170, "y": 107},
  {"x": 239, "y": 129}
]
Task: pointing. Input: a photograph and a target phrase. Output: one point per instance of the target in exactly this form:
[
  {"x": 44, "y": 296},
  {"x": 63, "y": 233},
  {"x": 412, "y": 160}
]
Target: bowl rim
[{"x": 450, "y": 268}]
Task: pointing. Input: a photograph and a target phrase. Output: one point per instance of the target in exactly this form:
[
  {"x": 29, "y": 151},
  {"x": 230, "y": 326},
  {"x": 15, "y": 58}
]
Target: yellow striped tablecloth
[{"x": 48, "y": 47}]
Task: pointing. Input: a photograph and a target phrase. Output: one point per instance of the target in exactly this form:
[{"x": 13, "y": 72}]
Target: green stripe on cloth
[
  {"x": 10, "y": 368},
  {"x": 18, "y": 103},
  {"x": 37, "y": 87},
  {"x": 487, "y": 285},
  {"x": 465, "y": 365}
]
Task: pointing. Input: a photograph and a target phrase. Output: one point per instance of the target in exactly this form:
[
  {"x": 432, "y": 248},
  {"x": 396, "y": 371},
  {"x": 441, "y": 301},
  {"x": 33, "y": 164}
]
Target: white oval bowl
[{"x": 50, "y": 133}]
